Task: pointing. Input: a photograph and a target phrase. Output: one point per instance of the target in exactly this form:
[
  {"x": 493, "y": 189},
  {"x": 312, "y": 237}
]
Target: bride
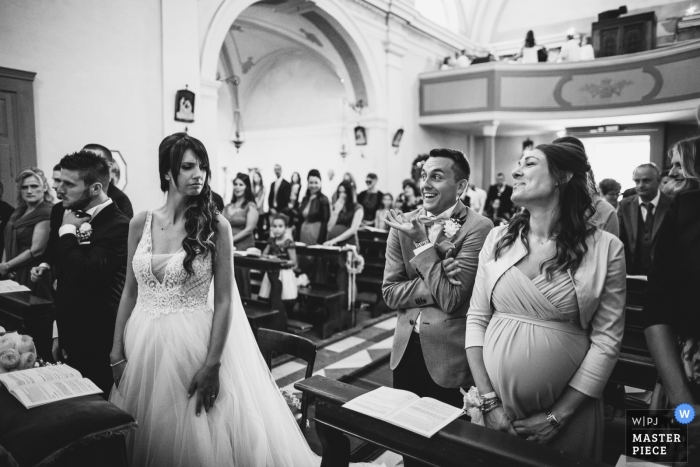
[{"x": 193, "y": 376}]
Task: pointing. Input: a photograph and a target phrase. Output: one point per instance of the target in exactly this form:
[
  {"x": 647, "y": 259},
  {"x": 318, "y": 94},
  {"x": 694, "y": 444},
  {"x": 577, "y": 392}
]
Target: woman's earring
[{"x": 167, "y": 177}]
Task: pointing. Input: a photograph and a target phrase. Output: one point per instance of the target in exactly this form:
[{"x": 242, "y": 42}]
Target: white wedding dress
[{"x": 166, "y": 341}]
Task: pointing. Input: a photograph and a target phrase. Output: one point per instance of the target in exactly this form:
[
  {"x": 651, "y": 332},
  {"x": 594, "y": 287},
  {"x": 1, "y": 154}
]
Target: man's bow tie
[{"x": 428, "y": 221}]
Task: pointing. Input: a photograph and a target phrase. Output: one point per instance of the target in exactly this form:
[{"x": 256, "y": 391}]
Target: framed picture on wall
[
  {"x": 360, "y": 136},
  {"x": 118, "y": 170},
  {"x": 184, "y": 106},
  {"x": 396, "y": 142}
]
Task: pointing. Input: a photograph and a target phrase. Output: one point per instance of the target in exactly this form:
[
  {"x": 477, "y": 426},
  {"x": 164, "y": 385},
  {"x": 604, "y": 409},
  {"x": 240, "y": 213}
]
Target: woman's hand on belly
[
  {"x": 498, "y": 420},
  {"x": 536, "y": 428}
]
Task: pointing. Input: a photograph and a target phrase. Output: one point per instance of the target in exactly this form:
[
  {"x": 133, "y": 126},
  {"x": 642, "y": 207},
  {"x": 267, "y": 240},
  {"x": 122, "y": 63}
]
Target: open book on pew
[
  {"x": 44, "y": 385},
  {"x": 424, "y": 416}
]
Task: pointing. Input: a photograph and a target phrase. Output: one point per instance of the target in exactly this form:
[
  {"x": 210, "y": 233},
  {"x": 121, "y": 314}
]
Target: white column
[
  {"x": 180, "y": 61},
  {"x": 208, "y": 115},
  {"x": 489, "y": 132},
  {"x": 395, "y": 48}
]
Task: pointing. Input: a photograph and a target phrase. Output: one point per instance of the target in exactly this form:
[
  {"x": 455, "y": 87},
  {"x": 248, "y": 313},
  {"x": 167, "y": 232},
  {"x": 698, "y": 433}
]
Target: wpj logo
[{"x": 661, "y": 436}]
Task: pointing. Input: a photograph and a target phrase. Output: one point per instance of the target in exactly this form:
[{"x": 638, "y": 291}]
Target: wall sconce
[{"x": 238, "y": 140}]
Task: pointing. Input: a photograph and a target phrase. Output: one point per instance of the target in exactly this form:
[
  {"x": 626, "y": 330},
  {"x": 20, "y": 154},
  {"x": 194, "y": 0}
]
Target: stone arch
[{"x": 330, "y": 11}]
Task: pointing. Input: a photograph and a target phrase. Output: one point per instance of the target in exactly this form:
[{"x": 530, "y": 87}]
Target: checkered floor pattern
[{"x": 343, "y": 357}]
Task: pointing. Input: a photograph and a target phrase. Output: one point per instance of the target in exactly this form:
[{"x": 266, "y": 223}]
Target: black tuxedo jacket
[
  {"x": 121, "y": 200},
  {"x": 90, "y": 282},
  {"x": 672, "y": 293},
  {"x": 506, "y": 203},
  {"x": 629, "y": 219},
  {"x": 283, "y": 195}
]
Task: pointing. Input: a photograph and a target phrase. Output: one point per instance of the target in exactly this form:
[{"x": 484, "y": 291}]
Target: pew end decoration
[{"x": 17, "y": 352}]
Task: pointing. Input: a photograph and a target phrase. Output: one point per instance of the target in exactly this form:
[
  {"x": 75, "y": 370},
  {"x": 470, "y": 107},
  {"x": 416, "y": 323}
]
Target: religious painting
[
  {"x": 360, "y": 136},
  {"x": 396, "y": 142},
  {"x": 118, "y": 170},
  {"x": 184, "y": 106}
]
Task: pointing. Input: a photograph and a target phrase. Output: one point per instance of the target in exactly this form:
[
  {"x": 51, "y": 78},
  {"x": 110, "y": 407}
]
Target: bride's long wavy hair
[
  {"x": 201, "y": 212},
  {"x": 571, "y": 226}
]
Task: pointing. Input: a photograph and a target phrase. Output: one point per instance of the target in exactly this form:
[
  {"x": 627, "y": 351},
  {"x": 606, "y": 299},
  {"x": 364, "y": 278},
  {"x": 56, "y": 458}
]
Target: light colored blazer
[
  {"x": 418, "y": 284},
  {"x": 600, "y": 284}
]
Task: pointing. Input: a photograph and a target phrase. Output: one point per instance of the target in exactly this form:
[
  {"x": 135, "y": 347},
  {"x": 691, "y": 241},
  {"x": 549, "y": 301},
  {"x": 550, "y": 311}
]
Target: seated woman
[
  {"x": 546, "y": 317},
  {"x": 672, "y": 309},
  {"x": 496, "y": 214},
  {"x": 315, "y": 211},
  {"x": 383, "y": 212},
  {"x": 27, "y": 233},
  {"x": 410, "y": 199},
  {"x": 242, "y": 214},
  {"x": 346, "y": 217}
]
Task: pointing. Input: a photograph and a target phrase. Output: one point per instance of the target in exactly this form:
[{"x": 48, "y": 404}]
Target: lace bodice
[{"x": 178, "y": 291}]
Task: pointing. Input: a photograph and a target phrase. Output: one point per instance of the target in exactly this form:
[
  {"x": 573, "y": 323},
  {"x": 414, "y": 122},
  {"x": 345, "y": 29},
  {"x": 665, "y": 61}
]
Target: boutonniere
[
  {"x": 84, "y": 233},
  {"x": 453, "y": 224}
]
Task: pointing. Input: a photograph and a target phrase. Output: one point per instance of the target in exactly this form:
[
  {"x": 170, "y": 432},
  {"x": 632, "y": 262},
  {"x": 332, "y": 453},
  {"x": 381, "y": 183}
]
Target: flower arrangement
[
  {"x": 17, "y": 352},
  {"x": 472, "y": 405},
  {"x": 84, "y": 233},
  {"x": 453, "y": 224}
]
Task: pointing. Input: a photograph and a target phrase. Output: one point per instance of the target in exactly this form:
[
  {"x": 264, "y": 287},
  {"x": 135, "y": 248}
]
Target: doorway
[{"x": 17, "y": 132}]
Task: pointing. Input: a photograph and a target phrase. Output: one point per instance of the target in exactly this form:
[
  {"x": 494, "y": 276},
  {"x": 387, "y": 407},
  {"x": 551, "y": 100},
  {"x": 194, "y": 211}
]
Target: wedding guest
[
  {"x": 56, "y": 180},
  {"x": 259, "y": 194},
  {"x": 679, "y": 183},
  {"x": 242, "y": 214},
  {"x": 347, "y": 177},
  {"x": 530, "y": 50},
  {"x": 640, "y": 217},
  {"x": 587, "y": 52},
  {"x": 671, "y": 307},
  {"x": 476, "y": 198},
  {"x": 280, "y": 191},
  {"x": 346, "y": 217},
  {"x": 604, "y": 215},
  {"x": 546, "y": 317},
  {"x": 280, "y": 246},
  {"x": 370, "y": 199},
  {"x": 88, "y": 246},
  {"x": 315, "y": 211},
  {"x": 6, "y": 211},
  {"x": 501, "y": 190},
  {"x": 496, "y": 215},
  {"x": 27, "y": 232},
  {"x": 571, "y": 50},
  {"x": 118, "y": 196},
  {"x": 410, "y": 198},
  {"x": 383, "y": 212},
  {"x": 295, "y": 181},
  {"x": 427, "y": 357},
  {"x": 610, "y": 189}
]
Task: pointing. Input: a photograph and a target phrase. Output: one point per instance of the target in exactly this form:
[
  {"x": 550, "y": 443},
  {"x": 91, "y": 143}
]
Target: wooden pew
[
  {"x": 369, "y": 282},
  {"x": 325, "y": 302},
  {"x": 27, "y": 314},
  {"x": 458, "y": 444},
  {"x": 265, "y": 314}
]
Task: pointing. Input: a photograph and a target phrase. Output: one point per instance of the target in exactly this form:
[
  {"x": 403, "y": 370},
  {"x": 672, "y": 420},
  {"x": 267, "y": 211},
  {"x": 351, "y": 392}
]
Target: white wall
[{"x": 98, "y": 79}]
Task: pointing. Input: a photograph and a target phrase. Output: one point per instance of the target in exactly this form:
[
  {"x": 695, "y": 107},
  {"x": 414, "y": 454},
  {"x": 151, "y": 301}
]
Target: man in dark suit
[
  {"x": 502, "y": 192},
  {"x": 280, "y": 192},
  {"x": 118, "y": 196},
  {"x": 88, "y": 246},
  {"x": 640, "y": 217}
]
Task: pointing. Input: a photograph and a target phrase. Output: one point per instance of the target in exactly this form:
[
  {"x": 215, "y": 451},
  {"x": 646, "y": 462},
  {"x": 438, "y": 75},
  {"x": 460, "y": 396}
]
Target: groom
[
  {"x": 88, "y": 246},
  {"x": 428, "y": 356}
]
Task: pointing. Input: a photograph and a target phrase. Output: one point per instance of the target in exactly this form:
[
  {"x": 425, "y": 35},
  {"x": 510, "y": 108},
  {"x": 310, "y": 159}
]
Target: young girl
[
  {"x": 383, "y": 212},
  {"x": 281, "y": 246}
]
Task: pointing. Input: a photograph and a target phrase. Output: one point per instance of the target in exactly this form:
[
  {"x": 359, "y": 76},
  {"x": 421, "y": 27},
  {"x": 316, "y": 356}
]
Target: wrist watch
[{"x": 420, "y": 244}]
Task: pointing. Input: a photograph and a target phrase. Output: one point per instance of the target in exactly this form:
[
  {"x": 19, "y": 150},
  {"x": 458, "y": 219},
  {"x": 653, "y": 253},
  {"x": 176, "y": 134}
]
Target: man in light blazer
[
  {"x": 428, "y": 356},
  {"x": 640, "y": 217}
]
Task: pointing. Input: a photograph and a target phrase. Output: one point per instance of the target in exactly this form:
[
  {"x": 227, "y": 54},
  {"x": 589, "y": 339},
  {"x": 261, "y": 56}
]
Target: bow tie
[{"x": 428, "y": 220}]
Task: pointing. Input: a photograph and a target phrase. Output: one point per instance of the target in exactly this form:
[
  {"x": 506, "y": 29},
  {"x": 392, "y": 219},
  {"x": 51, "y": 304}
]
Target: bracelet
[
  {"x": 115, "y": 364},
  {"x": 491, "y": 405},
  {"x": 553, "y": 420},
  {"x": 420, "y": 244},
  {"x": 489, "y": 395}
]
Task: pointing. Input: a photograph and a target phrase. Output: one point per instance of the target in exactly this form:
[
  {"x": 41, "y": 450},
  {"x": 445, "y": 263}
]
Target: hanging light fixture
[{"x": 238, "y": 140}]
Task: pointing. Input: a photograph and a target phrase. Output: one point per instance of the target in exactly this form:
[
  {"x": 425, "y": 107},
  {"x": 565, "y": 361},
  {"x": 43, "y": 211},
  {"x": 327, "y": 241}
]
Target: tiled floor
[{"x": 342, "y": 358}]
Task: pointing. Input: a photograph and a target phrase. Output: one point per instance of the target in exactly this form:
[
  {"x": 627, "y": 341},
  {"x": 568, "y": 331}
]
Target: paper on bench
[
  {"x": 424, "y": 416},
  {"x": 9, "y": 286},
  {"x": 39, "y": 386}
]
